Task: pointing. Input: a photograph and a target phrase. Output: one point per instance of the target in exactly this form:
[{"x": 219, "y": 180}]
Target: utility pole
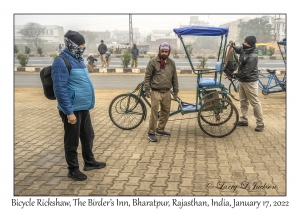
[
  {"x": 277, "y": 22},
  {"x": 130, "y": 31}
]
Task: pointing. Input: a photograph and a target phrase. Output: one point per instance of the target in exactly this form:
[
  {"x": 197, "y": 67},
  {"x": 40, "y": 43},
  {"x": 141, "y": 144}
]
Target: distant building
[
  {"x": 194, "y": 21},
  {"x": 233, "y": 29},
  {"x": 277, "y": 21},
  {"x": 122, "y": 36},
  {"x": 160, "y": 36},
  {"x": 279, "y": 24},
  {"x": 106, "y": 36},
  {"x": 52, "y": 34}
]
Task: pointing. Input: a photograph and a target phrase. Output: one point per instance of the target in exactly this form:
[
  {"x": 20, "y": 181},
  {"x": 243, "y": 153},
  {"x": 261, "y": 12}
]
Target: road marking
[
  {"x": 275, "y": 63},
  {"x": 30, "y": 60},
  {"x": 41, "y": 64}
]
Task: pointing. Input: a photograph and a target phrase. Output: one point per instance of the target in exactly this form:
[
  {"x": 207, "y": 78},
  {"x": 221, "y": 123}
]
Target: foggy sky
[{"x": 145, "y": 23}]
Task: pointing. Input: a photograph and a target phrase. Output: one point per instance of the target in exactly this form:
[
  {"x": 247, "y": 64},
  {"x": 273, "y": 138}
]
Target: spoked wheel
[
  {"x": 218, "y": 117},
  {"x": 126, "y": 111},
  {"x": 220, "y": 121},
  {"x": 234, "y": 91}
]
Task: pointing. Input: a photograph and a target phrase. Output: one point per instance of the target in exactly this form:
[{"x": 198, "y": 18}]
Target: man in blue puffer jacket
[{"x": 74, "y": 92}]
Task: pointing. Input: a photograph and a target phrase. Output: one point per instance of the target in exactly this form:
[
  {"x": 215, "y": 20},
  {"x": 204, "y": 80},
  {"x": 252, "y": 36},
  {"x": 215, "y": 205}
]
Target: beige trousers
[
  {"x": 162, "y": 100},
  {"x": 108, "y": 61},
  {"x": 103, "y": 60},
  {"x": 248, "y": 92},
  {"x": 134, "y": 62}
]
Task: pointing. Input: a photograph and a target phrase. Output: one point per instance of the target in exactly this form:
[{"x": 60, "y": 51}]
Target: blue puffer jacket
[{"x": 74, "y": 91}]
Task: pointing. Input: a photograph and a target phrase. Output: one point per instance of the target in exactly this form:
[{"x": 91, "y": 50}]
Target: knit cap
[
  {"x": 251, "y": 40},
  {"x": 164, "y": 46},
  {"x": 75, "y": 37}
]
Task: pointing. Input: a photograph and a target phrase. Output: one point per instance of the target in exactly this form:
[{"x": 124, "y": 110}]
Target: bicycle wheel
[
  {"x": 223, "y": 120},
  {"x": 127, "y": 111},
  {"x": 234, "y": 91},
  {"x": 218, "y": 117}
]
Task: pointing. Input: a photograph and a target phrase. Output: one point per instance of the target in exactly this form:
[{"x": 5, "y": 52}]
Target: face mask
[
  {"x": 80, "y": 51},
  {"x": 74, "y": 48},
  {"x": 245, "y": 47}
]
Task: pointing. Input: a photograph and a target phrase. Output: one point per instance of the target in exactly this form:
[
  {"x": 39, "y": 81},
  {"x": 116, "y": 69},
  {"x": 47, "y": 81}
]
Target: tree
[
  {"x": 125, "y": 58},
  {"x": 32, "y": 32},
  {"x": 40, "y": 51},
  {"x": 16, "y": 49},
  {"x": 205, "y": 42},
  {"x": 189, "y": 49},
  {"x": 148, "y": 39},
  {"x": 257, "y": 27},
  {"x": 23, "y": 59},
  {"x": 27, "y": 50},
  {"x": 203, "y": 63}
]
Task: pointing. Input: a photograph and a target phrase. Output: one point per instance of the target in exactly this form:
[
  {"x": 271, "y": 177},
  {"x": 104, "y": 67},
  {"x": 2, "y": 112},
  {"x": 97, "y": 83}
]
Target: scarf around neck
[
  {"x": 162, "y": 61},
  {"x": 75, "y": 50}
]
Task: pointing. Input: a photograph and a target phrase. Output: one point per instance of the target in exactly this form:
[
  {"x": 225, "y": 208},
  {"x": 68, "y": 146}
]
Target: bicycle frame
[
  {"x": 269, "y": 88},
  {"x": 142, "y": 95}
]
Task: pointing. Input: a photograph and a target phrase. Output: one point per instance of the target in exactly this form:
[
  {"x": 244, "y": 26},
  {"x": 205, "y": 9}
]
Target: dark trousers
[{"x": 82, "y": 129}]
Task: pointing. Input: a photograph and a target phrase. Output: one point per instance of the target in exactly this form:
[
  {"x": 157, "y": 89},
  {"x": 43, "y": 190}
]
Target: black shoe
[
  {"x": 95, "y": 165},
  {"x": 164, "y": 133},
  {"x": 77, "y": 175},
  {"x": 259, "y": 128},
  {"x": 152, "y": 137},
  {"x": 240, "y": 123}
]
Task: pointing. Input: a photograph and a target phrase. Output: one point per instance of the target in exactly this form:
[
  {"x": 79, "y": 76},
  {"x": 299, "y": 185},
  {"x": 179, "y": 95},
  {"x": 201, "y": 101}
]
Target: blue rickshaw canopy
[{"x": 201, "y": 31}]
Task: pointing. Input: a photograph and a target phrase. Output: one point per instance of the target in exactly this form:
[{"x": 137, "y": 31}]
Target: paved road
[
  {"x": 107, "y": 82},
  {"x": 180, "y": 63},
  {"x": 113, "y": 82},
  {"x": 188, "y": 163}
]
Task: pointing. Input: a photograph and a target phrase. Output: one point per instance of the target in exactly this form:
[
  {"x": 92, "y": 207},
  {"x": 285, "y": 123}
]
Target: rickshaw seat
[
  {"x": 218, "y": 66},
  {"x": 271, "y": 71},
  {"x": 209, "y": 81},
  {"x": 189, "y": 107}
]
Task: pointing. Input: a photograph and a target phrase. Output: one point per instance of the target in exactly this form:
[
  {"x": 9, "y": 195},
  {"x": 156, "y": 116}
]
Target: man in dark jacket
[
  {"x": 74, "y": 92},
  {"x": 160, "y": 77},
  {"x": 135, "y": 54},
  {"x": 248, "y": 82},
  {"x": 102, "y": 48}
]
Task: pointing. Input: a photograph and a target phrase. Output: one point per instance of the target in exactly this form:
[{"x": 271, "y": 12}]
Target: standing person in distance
[
  {"x": 102, "y": 48},
  {"x": 135, "y": 54}
]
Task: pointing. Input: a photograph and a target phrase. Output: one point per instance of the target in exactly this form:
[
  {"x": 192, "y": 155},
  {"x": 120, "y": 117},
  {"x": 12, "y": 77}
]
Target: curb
[{"x": 125, "y": 70}]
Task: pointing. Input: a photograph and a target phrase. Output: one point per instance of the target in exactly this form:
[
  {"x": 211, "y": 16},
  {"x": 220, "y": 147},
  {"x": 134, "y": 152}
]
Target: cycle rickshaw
[
  {"x": 217, "y": 115},
  {"x": 273, "y": 83}
]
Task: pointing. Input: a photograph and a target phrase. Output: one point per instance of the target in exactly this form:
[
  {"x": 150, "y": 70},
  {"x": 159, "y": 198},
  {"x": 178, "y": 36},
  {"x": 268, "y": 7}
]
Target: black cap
[
  {"x": 251, "y": 40},
  {"x": 75, "y": 37},
  {"x": 101, "y": 41}
]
